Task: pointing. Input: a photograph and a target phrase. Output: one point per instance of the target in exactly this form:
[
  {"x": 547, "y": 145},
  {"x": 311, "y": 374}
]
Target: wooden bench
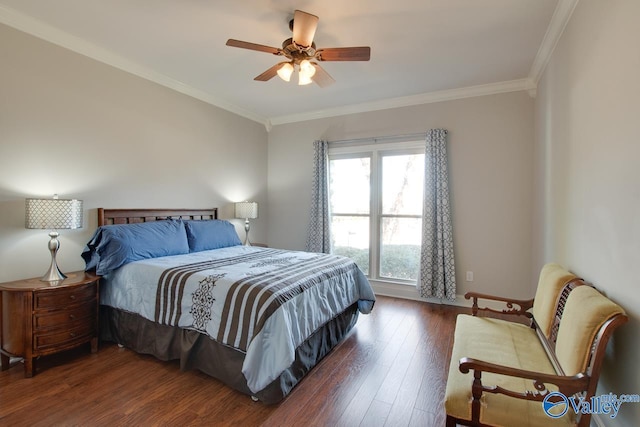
[{"x": 501, "y": 370}]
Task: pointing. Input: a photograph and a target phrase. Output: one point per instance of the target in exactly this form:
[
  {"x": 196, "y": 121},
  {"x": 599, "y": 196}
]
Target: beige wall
[
  {"x": 73, "y": 126},
  {"x": 490, "y": 148},
  {"x": 588, "y": 171}
]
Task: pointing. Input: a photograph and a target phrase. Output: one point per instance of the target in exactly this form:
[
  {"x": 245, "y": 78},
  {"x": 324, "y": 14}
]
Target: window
[{"x": 375, "y": 194}]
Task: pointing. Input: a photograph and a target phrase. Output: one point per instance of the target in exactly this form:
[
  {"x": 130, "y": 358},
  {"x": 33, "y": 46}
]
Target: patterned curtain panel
[
  {"x": 437, "y": 266},
  {"x": 318, "y": 234}
]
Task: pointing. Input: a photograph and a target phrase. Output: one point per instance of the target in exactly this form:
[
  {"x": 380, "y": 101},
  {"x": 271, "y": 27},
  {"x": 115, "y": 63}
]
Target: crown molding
[
  {"x": 559, "y": 20},
  {"x": 39, "y": 29},
  {"x": 407, "y": 101},
  {"x": 51, "y": 34}
]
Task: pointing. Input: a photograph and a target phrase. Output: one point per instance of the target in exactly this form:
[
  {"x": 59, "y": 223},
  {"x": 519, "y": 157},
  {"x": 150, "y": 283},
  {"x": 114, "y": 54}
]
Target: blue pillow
[
  {"x": 211, "y": 234},
  {"x": 115, "y": 245}
]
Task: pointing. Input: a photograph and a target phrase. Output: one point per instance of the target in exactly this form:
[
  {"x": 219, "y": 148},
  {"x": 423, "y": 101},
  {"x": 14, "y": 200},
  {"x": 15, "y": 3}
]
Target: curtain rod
[{"x": 388, "y": 138}]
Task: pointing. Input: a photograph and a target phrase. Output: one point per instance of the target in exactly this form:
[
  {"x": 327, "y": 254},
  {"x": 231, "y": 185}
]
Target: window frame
[{"x": 376, "y": 152}]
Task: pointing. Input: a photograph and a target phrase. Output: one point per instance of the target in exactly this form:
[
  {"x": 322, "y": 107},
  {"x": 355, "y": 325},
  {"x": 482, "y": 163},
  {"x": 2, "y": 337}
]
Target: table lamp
[
  {"x": 247, "y": 210},
  {"x": 53, "y": 214}
]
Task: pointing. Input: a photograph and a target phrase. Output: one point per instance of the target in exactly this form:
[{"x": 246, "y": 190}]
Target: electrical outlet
[{"x": 469, "y": 276}]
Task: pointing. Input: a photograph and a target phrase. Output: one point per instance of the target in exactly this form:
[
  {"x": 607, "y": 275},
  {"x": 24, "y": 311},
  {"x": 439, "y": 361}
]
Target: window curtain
[
  {"x": 437, "y": 266},
  {"x": 318, "y": 234}
]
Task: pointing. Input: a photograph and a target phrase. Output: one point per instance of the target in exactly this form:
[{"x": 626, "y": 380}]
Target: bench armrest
[
  {"x": 567, "y": 385},
  {"x": 520, "y": 310}
]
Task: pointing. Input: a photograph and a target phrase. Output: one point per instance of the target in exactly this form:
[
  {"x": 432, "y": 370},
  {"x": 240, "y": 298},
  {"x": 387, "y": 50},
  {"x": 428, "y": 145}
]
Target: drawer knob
[
  {"x": 71, "y": 316},
  {"x": 72, "y": 335},
  {"x": 72, "y": 296}
]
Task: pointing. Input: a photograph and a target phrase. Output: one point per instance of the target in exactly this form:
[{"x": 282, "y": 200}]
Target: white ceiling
[{"x": 421, "y": 50}]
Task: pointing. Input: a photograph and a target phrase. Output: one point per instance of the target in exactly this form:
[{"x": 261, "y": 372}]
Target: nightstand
[{"x": 40, "y": 318}]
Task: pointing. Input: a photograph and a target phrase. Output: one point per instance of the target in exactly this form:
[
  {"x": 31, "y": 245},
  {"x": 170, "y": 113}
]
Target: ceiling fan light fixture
[
  {"x": 285, "y": 71},
  {"x": 303, "y": 79},
  {"x": 307, "y": 68}
]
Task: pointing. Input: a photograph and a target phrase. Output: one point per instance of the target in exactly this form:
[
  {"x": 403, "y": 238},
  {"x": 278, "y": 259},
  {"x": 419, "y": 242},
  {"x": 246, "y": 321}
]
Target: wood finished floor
[{"x": 389, "y": 371}]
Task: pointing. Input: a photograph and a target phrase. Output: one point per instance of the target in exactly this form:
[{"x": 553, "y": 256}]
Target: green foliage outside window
[{"x": 400, "y": 261}]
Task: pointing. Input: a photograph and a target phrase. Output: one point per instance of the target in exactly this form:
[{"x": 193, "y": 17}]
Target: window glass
[
  {"x": 349, "y": 185},
  {"x": 375, "y": 195},
  {"x": 400, "y": 248},
  {"x": 402, "y": 179},
  {"x": 350, "y": 238}
]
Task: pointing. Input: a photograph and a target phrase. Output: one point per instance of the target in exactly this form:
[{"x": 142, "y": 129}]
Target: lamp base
[
  {"x": 53, "y": 274},
  {"x": 246, "y": 229}
]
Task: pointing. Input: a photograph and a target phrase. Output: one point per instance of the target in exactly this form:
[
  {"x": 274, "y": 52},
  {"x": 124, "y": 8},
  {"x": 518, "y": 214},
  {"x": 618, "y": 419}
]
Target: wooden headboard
[{"x": 131, "y": 216}]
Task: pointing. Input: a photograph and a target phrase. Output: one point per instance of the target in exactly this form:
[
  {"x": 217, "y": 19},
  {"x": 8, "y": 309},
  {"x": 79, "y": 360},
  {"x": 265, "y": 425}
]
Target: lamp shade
[
  {"x": 307, "y": 68},
  {"x": 304, "y": 28},
  {"x": 247, "y": 210},
  {"x": 285, "y": 71},
  {"x": 53, "y": 214}
]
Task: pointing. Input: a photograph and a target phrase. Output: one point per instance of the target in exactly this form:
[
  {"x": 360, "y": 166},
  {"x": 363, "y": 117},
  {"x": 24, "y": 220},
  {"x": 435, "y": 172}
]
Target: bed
[{"x": 179, "y": 285}]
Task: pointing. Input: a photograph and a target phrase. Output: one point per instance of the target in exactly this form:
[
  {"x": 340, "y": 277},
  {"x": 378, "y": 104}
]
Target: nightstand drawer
[
  {"x": 57, "y": 298},
  {"x": 83, "y": 331},
  {"x": 64, "y": 318}
]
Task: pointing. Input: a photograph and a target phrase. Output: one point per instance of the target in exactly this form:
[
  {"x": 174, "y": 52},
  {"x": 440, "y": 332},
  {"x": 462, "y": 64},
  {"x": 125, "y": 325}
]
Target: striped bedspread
[{"x": 263, "y": 302}]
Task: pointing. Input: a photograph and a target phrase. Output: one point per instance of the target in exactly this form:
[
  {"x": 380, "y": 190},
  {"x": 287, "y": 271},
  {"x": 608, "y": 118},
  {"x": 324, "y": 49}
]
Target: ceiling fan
[{"x": 301, "y": 52}]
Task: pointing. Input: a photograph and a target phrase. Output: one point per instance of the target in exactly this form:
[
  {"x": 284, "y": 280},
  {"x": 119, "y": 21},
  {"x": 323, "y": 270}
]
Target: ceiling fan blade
[
  {"x": 254, "y": 46},
  {"x": 270, "y": 73},
  {"x": 362, "y": 53},
  {"x": 321, "y": 77},
  {"x": 304, "y": 28}
]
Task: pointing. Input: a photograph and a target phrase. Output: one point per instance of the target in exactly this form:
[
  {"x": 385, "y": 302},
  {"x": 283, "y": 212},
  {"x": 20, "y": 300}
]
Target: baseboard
[{"x": 411, "y": 292}]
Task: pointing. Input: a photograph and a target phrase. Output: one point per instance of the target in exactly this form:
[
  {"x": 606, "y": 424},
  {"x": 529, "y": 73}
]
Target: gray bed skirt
[{"x": 198, "y": 351}]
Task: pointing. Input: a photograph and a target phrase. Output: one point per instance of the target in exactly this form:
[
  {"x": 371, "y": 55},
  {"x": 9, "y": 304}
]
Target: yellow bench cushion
[
  {"x": 585, "y": 312},
  {"x": 552, "y": 279},
  {"x": 504, "y": 343}
]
